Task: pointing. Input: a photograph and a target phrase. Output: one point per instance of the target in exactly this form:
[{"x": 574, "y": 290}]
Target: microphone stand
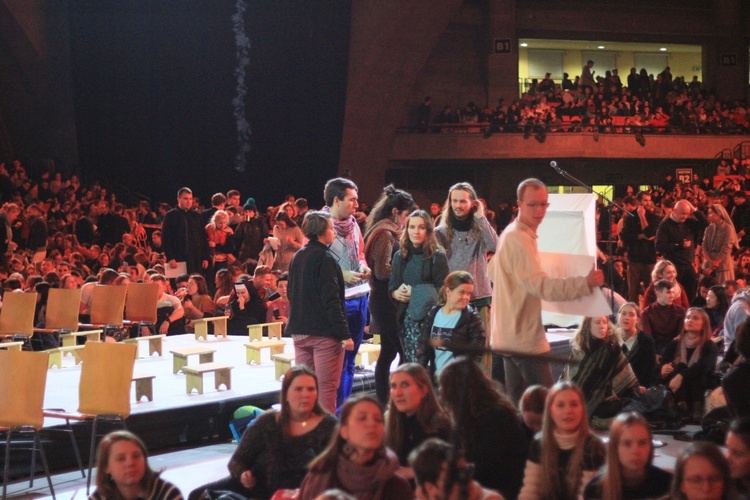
[{"x": 610, "y": 249}]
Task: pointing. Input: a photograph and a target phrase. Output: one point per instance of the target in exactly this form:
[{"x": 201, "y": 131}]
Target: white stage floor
[{"x": 169, "y": 390}]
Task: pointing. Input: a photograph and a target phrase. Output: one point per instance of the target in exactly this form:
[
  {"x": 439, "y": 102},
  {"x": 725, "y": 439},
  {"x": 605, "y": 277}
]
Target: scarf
[
  {"x": 347, "y": 229},
  {"x": 365, "y": 482},
  {"x": 690, "y": 344},
  {"x": 461, "y": 225}
]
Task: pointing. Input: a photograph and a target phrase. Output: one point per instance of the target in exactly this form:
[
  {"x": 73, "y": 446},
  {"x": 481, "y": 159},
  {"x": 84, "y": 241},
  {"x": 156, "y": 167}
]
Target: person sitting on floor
[
  {"x": 663, "y": 319},
  {"x": 278, "y": 446}
]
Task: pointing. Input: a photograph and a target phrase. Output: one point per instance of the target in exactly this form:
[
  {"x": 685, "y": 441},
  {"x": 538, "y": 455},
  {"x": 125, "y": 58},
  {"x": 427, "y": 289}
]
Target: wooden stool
[
  {"x": 372, "y": 351},
  {"x": 144, "y": 386},
  {"x": 252, "y": 349},
  {"x": 201, "y": 327},
  {"x": 154, "y": 343},
  {"x": 282, "y": 362},
  {"x": 179, "y": 361},
  {"x": 194, "y": 380},
  {"x": 70, "y": 339},
  {"x": 11, "y": 346},
  {"x": 56, "y": 355},
  {"x": 256, "y": 331}
]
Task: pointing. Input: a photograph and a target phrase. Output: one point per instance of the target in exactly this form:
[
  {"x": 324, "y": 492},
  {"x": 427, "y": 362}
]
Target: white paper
[
  {"x": 559, "y": 265},
  {"x": 357, "y": 291},
  {"x": 171, "y": 272}
]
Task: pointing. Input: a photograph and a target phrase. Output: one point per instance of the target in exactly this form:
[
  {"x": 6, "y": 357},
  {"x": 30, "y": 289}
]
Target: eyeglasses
[
  {"x": 701, "y": 480},
  {"x": 534, "y": 206}
]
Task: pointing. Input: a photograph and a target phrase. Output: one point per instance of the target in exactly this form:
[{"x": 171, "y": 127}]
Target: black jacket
[
  {"x": 184, "y": 239},
  {"x": 640, "y": 250},
  {"x": 316, "y": 294},
  {"x": 469, "y": 330}
]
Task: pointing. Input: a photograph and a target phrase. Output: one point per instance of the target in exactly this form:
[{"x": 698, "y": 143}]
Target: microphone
[{"x": 553, "y": 164}]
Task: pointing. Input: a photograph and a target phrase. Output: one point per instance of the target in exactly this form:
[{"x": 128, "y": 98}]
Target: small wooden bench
[
  {"x": 376, "y": 338},
  {"x": 201, "y": 327},
  {"x": 194, "y": 380},
  {"x": 256, "y": 331},
  {"x": 11, "y": 346},
  {"x": 56, "y": 355},
  {"x": 70, "y": 339},
  {"x": 282, "y": 362},
  {"x": 371, "y": 350},
  {"x": 179, "y": 361},
  {"x": 144, "y": 386},
  {"x": 155, "y": 343},
  {"x": 253, "y": 349}
]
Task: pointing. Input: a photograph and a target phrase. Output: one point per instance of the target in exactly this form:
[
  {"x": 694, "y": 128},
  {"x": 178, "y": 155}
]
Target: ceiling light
[
  {"x": 524, "y": 44},
  {"x": 663, "y": 49},
  {"x": 600, "y": 47}
]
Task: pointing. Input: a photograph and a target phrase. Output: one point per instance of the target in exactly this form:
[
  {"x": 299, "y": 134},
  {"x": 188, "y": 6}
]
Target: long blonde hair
[
  {"x": 551, "y": 487},
  {"x": 612, "y": 480}
]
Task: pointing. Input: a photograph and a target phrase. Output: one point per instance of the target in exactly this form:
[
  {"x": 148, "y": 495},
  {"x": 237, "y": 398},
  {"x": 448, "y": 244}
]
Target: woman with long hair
[
  {"x": 224, "y": 285},
  {"x": 689, "y": 362},
  {"x": 701, "y": 473},
  {"x": 637, "y": 345},
  {"x": 565, "y": 455},
  {"x": 453, "y": 321},
  {"x": 419, "y": 269},
  {"x": 738, "y": 454},
  {"x": 719, "y": 239},
  {"x": 487, "y": 426},
  {"x": 220, "y": 240},
  {"x": 717, "y": 305},
  {"x": 665, "y": 270},
  {"x": 122, "y": 471},
  {"x": 599, "y": 367},
  {"x": 290, "y": 239},
  {"x": 629, "y": 473},
  {"x": 278, "y": 446},
  {"x": 196, "y": 301},
  {"x": 356, "y": 461},
  {"x": 385, "y": 225},
  {"x": 414, "y": 414}
]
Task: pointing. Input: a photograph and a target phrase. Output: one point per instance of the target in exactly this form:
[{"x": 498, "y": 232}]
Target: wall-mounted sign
[
  {"x": 502, "y": 45},
  {"x": 729, "y": 59}
]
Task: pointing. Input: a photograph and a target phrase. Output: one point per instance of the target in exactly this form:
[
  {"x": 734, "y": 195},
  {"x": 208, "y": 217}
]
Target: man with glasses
[{"x": 520, "y": 287}]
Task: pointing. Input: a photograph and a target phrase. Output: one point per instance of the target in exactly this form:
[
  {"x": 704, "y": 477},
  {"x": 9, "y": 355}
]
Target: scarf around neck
[
  {"x": 461, "y": 225},
  {"x": 690, "y": 344},
  {"x": 347, "y": 229}
]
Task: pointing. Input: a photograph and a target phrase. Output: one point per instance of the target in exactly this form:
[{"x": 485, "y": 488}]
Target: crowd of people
[
  {"x": 439, "y": 287},
  {"x": 640, "y": 103}
]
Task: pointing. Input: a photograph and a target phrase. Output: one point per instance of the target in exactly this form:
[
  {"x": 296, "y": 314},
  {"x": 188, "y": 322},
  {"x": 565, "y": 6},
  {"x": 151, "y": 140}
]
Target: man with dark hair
[
  {"x": 348, "y": 248},
  {"x": 741, "y": 217},
  {"x": 317, "y": 315},
  {"x": 302, "y": 208},
  {"x": 663, "y": 319},
  {"x": 36, "y": 243},
  {"x": 638, "y": 235},
  {"x": 183, "y": 236},
  {"x": 218, "y": 202}
]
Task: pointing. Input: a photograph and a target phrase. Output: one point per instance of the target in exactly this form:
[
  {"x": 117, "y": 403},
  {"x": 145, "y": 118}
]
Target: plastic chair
[
  {"x": 103, "y": 391},
  {"x": 17, "y": 314},
  {"x": 62, "y": 312},
  {"x": 21, "y": 409},
  {"x": 140, "y": 305}
]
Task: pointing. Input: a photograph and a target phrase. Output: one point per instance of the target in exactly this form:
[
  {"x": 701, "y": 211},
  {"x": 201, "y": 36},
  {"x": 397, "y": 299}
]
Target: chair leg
[
  {"x": 44, "y": 463},
  {"x": 92, "y": 450},
  {"x": 6, "y": 469},
  {"x": 75, "y": 448}
]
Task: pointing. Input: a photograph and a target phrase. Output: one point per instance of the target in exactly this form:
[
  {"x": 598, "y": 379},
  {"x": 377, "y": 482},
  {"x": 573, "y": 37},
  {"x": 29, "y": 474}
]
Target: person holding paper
[
  {"x": 520, "y": 286},
  {"x": 348, "y": 248},
  {"x": 183, "y": 236}
]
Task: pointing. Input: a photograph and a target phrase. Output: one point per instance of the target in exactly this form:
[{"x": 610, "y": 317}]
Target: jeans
[
  {"x": 324, "y": 356},
  {"x": 356, "y": 315}
]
